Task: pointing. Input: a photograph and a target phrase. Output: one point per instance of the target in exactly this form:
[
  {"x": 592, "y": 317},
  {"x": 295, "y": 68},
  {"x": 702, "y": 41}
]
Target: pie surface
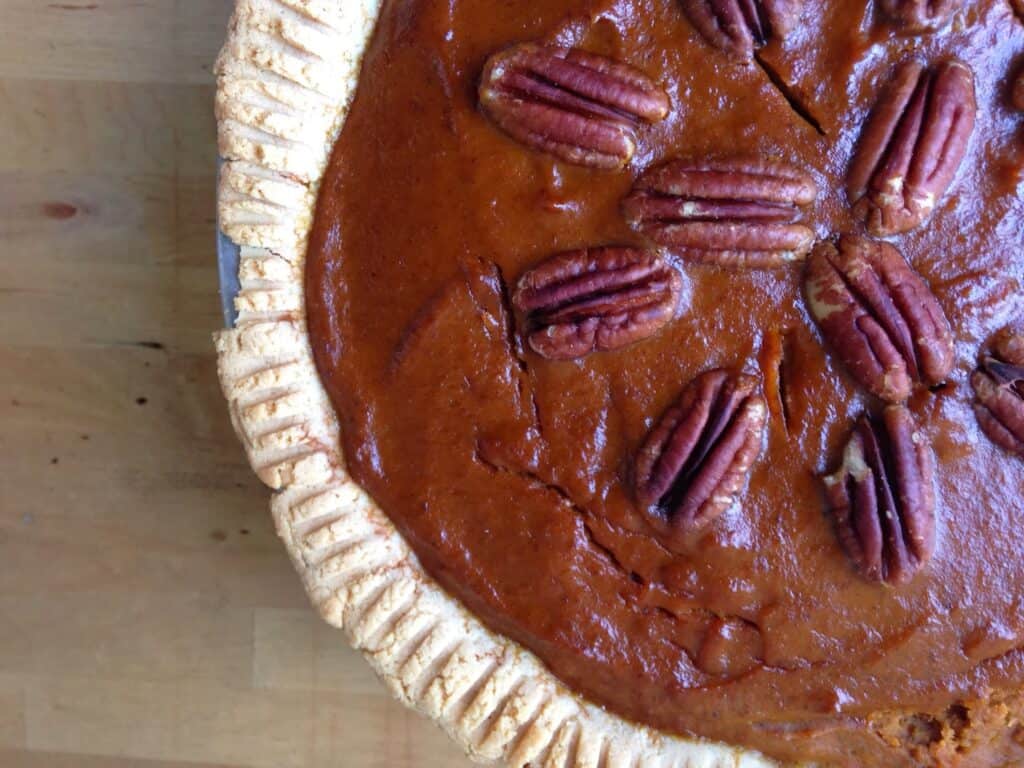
[{"x": 510, "y": 475}]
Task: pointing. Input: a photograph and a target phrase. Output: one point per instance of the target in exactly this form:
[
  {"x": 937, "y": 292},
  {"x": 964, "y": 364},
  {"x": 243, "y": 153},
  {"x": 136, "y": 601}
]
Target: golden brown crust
[{"x": 285, "y": 77}]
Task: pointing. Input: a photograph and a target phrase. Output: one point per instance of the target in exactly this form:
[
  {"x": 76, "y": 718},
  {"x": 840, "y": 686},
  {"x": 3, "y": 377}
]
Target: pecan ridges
[
  {"x": 595, "y": 300},
  {"x": 912, "y": 146},
  {"x": 879, "y": 316},
  {"x": 698, "y": 457},
  {"x": 578, "y": 106},
  {"x": 883, "y": 497},
  {"x": 999, "y": 386},
  {"x": 921, "y": 15},
  {"x": 732, "y": 212},
  {"x": 739, "y": 27}
]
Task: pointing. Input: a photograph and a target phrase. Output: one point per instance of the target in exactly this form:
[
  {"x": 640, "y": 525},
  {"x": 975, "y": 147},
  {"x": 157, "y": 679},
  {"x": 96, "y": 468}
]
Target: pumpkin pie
[{"x": 640, "y": 382}]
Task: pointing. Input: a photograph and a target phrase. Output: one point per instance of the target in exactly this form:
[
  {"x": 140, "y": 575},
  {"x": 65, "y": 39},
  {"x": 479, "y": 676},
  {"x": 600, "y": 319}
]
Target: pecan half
[
  {"x": 912, "y": 146},
  {"x": 739, "y": 27},
  {"x": 879, "y": 315},
  {"x": 578, "y": 106},
  {"x": 698, "y": 457},
  {"x": 732, "y": 212},
  {"x": 883, "y": 497},
  {"x": 999, "y": 386},
  {"x": 921, "y": 15},
  {"x": 595, "y": 300}
]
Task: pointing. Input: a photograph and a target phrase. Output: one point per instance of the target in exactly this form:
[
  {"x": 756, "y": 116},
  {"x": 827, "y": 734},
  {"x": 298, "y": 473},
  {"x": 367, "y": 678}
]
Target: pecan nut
[
  {"x": 879, "y": 316},
  {"x": 732, "y": 212},
  {"x": 696, "y": 460},
  {"x": 921, "y": 15},
  {"x": 739, "y": 27},
  {"x": 999, "y": 386},
  {"x": 595, "y": 300},
  {"x": 580, "y": 107},
  {"x": 883, "y": 497},
  {"x": 912, "y": 146}
]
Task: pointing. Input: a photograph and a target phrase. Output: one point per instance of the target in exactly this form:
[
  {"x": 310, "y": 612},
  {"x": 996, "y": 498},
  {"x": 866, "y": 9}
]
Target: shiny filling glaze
[{"x": 509, "y": 474}]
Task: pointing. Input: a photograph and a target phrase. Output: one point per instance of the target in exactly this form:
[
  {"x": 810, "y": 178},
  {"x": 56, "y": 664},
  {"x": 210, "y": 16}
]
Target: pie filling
[{"x": 509, "y": 458}]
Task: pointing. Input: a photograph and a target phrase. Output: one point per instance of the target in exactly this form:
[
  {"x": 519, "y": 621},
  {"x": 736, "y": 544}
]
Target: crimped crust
[{"x": 285, "y": 78}]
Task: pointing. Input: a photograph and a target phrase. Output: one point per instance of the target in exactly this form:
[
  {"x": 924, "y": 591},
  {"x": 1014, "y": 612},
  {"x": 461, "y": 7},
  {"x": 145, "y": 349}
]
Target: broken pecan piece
[
  {"x": 739, "y": 27},
  {"x": 697, "y": 458},
  {"x": 921, "y": 15},
  {"x": 883, "y": 497},
  {"x": 578, "y": 106},
  {"x": 999, "y": 386},
  {"x": 879, "y": 315},
  {"x": 734, "y": 212},
  {"x": 596, "y": 299},
  {"x": 912, "y": 146}
]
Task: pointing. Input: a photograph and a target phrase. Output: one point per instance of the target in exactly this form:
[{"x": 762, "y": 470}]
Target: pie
[{"x": 641, "y": 382}]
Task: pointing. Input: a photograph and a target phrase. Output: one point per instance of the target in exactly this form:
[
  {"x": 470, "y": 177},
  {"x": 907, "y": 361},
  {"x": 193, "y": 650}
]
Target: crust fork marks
[{"x": 285, "y": 77}]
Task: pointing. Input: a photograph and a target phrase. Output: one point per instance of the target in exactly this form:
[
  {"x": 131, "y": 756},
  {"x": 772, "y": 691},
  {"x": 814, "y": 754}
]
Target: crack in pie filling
[{"x": 678, "y": 339}]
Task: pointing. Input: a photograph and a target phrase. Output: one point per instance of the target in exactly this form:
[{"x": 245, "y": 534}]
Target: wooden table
[{"x": 148, "y": 616}]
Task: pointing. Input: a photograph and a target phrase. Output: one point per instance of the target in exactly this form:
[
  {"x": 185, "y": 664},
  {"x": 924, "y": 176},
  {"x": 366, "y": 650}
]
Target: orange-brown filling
[{"x": 509, "y": 473}]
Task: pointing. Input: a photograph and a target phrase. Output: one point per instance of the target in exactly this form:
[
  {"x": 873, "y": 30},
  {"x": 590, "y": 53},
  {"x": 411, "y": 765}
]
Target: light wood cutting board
[{"x": 148, "y": 616}]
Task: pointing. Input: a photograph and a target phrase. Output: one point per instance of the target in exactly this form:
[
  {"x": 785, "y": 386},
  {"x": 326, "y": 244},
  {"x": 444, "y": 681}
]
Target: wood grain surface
[{"x": 148, "y": 615}]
